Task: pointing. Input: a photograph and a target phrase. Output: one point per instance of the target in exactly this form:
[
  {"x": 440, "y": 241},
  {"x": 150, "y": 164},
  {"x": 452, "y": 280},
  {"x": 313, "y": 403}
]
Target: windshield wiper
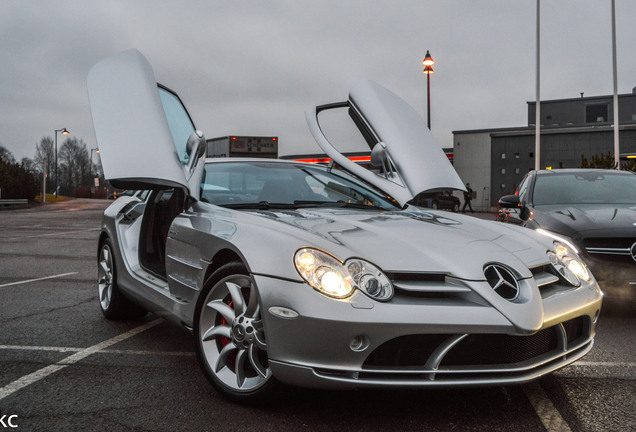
[
  {"x": 262, "y": 205},
  {"x": 266, "y": 205},
  {"x": 339, "y": 203}
]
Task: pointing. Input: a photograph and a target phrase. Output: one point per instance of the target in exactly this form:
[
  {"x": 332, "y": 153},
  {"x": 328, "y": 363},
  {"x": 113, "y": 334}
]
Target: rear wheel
[
  {"x": 111, "y": 301},
  {"x": 456, "y": 207},
  {"x": 230, "y": 338}
]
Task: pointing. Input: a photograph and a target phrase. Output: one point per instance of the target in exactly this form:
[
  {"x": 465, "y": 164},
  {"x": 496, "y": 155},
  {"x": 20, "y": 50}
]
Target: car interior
[{"x": 163, "y": 206}]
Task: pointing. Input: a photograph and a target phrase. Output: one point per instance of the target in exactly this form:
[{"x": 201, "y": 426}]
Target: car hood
[
  {"x": 411, "y": 240},
  {"x": 587, "y": 218}
]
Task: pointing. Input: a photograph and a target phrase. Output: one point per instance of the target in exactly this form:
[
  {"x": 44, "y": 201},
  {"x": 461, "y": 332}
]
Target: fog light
[{"x": 359, "y": 343}]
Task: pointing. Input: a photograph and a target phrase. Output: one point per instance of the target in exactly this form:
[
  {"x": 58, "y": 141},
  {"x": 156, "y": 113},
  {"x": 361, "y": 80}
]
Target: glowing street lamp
[
  {"x": 428, "y": 62},
  {"x": 64, "y": 132}
]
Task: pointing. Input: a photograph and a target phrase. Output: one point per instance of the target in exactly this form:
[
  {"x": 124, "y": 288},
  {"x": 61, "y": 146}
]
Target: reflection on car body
[
  {"x": 594, "y": 210},
  {"x": 437, "y": 200},
  {"x": 324, "y": 276}
]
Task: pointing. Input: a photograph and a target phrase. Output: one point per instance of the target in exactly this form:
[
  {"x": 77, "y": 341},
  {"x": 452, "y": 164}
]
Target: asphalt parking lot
[{"x": 64, "y": 367}]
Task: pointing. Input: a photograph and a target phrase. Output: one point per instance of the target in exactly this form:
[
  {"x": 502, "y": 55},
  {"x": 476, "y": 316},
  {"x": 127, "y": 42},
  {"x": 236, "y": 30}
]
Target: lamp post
[
  {"x": 428, "y": 71},
  {"x": 90, "y": 168},
  {"x": 64, "y": 132},
  {"x": 96, "y": 150}
]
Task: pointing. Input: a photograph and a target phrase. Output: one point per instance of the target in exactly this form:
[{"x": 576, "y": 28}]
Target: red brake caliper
[{"x": 224, "y": 341}]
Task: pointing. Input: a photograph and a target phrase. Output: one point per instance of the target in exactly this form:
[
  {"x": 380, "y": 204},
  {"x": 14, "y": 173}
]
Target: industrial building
[{"x": 495, "y": 160}]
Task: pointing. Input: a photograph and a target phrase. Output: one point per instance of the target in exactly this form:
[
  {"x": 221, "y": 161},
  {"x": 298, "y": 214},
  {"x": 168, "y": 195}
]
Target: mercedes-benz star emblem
[
  {"x": 502, "y": 281},
  {"x": 633, "y": 250}
]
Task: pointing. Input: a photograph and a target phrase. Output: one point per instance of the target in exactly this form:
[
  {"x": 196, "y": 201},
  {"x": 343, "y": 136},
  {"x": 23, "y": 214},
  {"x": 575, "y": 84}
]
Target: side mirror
[
  {"x": 509, "y": 201},
  {"x": 378, "y": 155},
  {"x": 196, "y": 148}
]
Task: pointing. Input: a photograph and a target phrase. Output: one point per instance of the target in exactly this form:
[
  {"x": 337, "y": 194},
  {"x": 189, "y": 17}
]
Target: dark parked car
[
  {"x": 592, "y": 209},
  {"x": 438, "y": 200}
]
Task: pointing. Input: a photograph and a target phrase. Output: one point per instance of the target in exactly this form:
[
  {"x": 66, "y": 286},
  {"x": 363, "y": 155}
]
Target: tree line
[{"x": 75, "y": 170}]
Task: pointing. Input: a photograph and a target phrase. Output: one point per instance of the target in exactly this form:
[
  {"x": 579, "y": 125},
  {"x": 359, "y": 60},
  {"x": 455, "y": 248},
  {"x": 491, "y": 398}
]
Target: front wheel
[
  {"x": 456, "y": 207},
  {"x": 230, "y": 338},
  {"x": 111, "y": 301}
]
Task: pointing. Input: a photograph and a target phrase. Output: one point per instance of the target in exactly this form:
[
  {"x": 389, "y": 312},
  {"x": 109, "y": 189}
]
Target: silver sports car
[{"x": 324, "y": 276}]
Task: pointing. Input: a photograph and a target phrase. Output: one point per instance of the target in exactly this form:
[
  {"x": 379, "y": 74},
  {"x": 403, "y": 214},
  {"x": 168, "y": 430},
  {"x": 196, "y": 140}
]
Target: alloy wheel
[
  {"x": 232, "y": 337},
  {"x": 105, "y": 277}
]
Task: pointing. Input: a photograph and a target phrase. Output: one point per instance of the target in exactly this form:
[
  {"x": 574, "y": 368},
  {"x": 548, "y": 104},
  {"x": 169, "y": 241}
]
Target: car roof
[
  {"x": 240, "y": 159},
  {"x": 582, "y": 170}
]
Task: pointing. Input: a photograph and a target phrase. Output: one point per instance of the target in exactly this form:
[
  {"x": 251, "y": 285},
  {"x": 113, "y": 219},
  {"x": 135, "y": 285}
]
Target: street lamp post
[
  {"x": 428, "y": 71},
  {"x": 90, "y": 168},
  {"x": 96, "y": 150},
  {"x": 64, "y": 132}
]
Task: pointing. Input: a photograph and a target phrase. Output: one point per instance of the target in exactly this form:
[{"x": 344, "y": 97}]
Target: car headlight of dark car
[{"x": 335, "y": 279}]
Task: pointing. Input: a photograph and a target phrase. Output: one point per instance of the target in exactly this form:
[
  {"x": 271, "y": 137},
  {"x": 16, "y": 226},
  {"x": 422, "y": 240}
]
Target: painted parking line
[
  {"x": 36, "y": 376},
  {"x": 38, "y": 279},
  {"x": 605, "y": 364},
  {"x": 101, "y": 351},
  {"x": 547, "y": 412}
]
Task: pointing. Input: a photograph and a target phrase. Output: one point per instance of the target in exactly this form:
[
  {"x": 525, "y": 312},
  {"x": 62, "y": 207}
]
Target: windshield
[
  {"x": 587, "y": 187},
  {"x": 283, "y": 185}
]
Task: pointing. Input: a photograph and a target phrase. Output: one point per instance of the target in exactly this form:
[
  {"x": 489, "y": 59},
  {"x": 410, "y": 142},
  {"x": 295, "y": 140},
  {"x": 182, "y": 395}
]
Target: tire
[
  {"x": 434, "y": 205},
  {"x": 112, "y": 302},
  {"x": 230, "y": 338},
  {"x": 456, "y": 208}
]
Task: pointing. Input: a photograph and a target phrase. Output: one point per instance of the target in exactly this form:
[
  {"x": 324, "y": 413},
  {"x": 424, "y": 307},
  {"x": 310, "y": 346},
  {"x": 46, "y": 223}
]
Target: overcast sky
[{"x": 251, "y": 67}]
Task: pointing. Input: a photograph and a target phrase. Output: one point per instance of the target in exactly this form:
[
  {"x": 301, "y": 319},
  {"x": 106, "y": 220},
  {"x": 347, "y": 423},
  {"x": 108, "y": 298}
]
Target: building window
[
  {"x": 503, "y": 155},
  {"x": 530, "y": 155},
  {"x": 596, "y": 113},
  {"x": 516, "y": 155},
  {"x": 503, "y": 170},
  {"x": 503, "y": 186},
  {"x": 516, "y": 170}
]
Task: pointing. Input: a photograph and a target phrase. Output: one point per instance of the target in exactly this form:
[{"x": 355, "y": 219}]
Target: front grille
[
  {"x": 413, "y": 350},
  {"x": 416, "y": 277},
  {"x": 478, "y": 349},
  {"x": 609, "y": 242},
  {"x": 576, "y": 328},
  {"x": 486, "y": 349},
  {"x": 617, "y": 257},
  {"x": 610, "y": 249}
]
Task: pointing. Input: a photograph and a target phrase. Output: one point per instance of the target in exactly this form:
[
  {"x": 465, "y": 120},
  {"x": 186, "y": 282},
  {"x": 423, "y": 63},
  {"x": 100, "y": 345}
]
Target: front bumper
[{"x": 358, "y": 342}]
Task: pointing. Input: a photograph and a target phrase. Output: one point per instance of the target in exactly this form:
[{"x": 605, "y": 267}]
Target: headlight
[
  {"x": 328, "y": 275},
  {"x": 568, "y": 264}
]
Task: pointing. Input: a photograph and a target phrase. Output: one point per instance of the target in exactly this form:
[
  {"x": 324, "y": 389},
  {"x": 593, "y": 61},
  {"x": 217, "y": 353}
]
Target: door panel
[
  {"x": 415, "y": 162},
  {"x": 136, "y": 143}
]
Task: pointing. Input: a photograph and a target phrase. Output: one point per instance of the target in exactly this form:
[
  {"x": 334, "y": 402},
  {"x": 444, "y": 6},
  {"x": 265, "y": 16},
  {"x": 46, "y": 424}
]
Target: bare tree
[
  {"x": 6, "y": 155},
  {"x": 74, "y": 165},
  {"x": 45, "y": 155},
  {"x": 29, "y": 165}
]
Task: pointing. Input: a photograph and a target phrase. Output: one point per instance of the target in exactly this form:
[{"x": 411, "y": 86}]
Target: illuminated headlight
[
  {"x": 328, "y": 275},
  {"x": 568, "y": 264}
]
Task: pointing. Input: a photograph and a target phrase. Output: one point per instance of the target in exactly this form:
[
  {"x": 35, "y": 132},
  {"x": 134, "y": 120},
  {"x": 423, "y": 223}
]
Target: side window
[
  {"x": 523, "y": 188},
  {"x": 179, "y": 121}
]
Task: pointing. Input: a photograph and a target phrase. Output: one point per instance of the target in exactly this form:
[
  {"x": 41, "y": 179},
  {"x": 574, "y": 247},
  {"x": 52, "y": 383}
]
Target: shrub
[{"x": 16, "y": 182}]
